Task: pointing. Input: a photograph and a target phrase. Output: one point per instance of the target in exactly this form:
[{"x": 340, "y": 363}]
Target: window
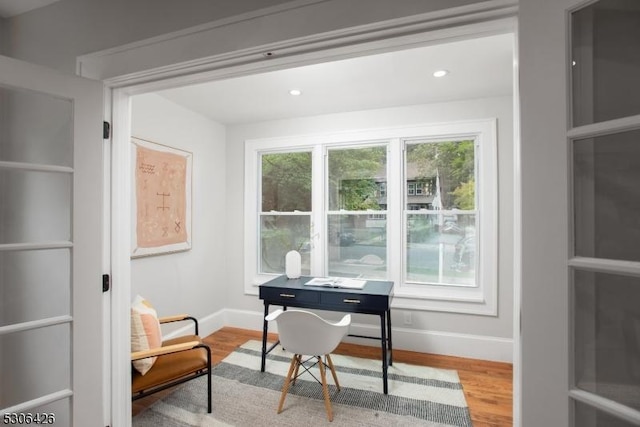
[
  {"x": 285, "y": 213},
  {"x": 382, "y": 190},
  {"x": 413, "y": 205},
  {"x": 441, "y": 244},
  {"x": 411, "y": 188},
  {"x": 356, "y": 243}
]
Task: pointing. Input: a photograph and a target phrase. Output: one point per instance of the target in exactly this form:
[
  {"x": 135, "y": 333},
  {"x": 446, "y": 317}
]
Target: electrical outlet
[{"x": 407, "y": 317}]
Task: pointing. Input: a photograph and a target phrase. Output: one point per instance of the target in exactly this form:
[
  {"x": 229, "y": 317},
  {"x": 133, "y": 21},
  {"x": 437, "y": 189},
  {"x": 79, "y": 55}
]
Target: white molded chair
[{"x": 306, "y": 333}]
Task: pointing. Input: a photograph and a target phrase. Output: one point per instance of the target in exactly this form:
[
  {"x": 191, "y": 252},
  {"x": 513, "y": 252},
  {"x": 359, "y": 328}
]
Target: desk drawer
[
  {"x": 288, "y": 296},
  {"x": 354, "y": 302}
]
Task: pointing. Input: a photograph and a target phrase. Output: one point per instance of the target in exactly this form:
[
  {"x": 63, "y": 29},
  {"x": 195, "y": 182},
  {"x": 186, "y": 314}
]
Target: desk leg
[
  {"x": 383, "y": 328},
  {"x": 265, "y": 327},
  {"x": 389, "y": 334}
]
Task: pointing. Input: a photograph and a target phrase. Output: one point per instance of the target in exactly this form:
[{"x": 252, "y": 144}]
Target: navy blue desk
[{"x": 374, "y": 298}]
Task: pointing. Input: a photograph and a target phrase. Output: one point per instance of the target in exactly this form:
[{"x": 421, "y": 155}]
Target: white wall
[
  {"x": 191, "y": 281},
  {"x": 209, "y": 278},
  {"x": 464, "y": 335}
]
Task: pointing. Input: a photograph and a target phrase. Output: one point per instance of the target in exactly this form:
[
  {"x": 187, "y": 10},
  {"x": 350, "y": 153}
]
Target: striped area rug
[{"x": 244, "y": 396}]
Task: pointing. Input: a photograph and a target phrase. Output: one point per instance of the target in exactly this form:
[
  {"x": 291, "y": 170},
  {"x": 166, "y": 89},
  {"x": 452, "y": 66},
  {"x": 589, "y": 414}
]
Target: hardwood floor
[{"x": 487, "y": 385}]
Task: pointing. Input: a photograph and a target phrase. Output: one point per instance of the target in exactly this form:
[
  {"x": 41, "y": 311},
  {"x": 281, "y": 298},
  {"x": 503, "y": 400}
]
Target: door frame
[{"x": 487, "y": 18}]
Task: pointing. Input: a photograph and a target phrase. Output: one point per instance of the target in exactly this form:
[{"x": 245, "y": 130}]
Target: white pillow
[{"x": 145, "y": 332}]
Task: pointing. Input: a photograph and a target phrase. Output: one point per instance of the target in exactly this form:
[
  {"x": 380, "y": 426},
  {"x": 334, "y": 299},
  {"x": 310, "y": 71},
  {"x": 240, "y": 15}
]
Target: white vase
[{"x": 292, "y": 263}]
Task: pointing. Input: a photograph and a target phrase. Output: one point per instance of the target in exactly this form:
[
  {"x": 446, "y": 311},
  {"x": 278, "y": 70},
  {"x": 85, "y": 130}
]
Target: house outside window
[{"x": 417, "y": 206}]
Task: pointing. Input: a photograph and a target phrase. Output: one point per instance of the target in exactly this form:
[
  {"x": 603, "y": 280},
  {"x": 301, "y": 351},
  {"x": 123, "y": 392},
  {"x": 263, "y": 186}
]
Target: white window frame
[{"x": 481, "y": 299}]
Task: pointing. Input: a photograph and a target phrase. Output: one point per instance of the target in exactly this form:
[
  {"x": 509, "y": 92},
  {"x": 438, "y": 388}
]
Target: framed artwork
[{"x": 161, "y": 199}]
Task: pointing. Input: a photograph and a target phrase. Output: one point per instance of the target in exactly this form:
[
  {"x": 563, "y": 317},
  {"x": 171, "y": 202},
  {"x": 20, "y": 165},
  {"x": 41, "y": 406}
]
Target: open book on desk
[{"x": 337, "y": 282}]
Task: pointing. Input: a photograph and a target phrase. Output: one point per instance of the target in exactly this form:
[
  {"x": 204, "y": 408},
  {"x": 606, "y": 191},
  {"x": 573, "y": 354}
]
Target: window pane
[
  {"x": 441, "y": 254},
  {"x": 607, "y": 336},
  {"x": 36, "y": 128},
  {"x": 280, "y": 234},
  {"x": 604, "y": 59},
  {"x": 36, "y": 206},
  {"x": 357, "y": 179},
  {"x": 358, "y": 246},
  {"x": 286, "y": 182},
  {"x": 606, "y": 204},
  {"x": 35, "y": 285},
  {"x": 588, "y": 416},
  {"x": 58, "y": 411},
  {"x": 36, "y": 362},
  {"x": 441, "y": 236},
  {"x": 440, "y": 175}
]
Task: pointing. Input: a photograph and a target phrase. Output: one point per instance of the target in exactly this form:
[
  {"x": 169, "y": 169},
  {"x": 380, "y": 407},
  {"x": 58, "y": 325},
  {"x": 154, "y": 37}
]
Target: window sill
[{"x": 458, "y": 302}]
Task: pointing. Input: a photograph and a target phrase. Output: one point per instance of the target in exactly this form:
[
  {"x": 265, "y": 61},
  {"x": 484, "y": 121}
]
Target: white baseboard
[
  {"x": 450, "y": 344},
  {"x": 454, "y": 344},
  {"x": 207, "y": 325}
]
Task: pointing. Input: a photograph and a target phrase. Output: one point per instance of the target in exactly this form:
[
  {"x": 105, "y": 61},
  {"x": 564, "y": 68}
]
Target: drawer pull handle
[
  {"x": 351, "y": 301},
  {"x": 287, "y": 295}
]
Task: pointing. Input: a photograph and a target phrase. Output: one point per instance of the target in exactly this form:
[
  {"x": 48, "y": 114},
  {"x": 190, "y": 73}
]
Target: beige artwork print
[{"x": 161, "y": 198}]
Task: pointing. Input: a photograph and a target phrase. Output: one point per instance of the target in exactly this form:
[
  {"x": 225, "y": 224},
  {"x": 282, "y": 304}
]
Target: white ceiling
[
  {"x": 9, "y": 8},
  {"x": 477, "y": 68}
]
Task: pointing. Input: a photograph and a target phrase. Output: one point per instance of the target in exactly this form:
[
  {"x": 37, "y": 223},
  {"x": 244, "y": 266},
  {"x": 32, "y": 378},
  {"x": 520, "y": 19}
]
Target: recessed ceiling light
[
  {"x": 295, "y": 92},
  {"x": 440, "y": 73}
]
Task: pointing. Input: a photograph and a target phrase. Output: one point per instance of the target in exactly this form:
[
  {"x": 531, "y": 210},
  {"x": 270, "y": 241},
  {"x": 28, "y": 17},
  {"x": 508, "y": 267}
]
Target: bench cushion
[{"x": 172, "y": 366}]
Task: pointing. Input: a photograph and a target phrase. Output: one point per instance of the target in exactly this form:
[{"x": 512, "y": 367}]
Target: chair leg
[
  {"x": 333, "y": 371},
  {"x": 209, "y": 393},
  {"x": 287, "y": 381},
  {"x": 295, "y": 374},
  {"x": 209, "y": 387},
  {"x": 325, "y": 390}
]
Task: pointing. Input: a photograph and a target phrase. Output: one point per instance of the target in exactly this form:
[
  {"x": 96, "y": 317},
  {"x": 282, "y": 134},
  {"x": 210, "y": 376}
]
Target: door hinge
[
  {"x": 106, "y": 130},
  {"x": 106, "y": 282}
]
